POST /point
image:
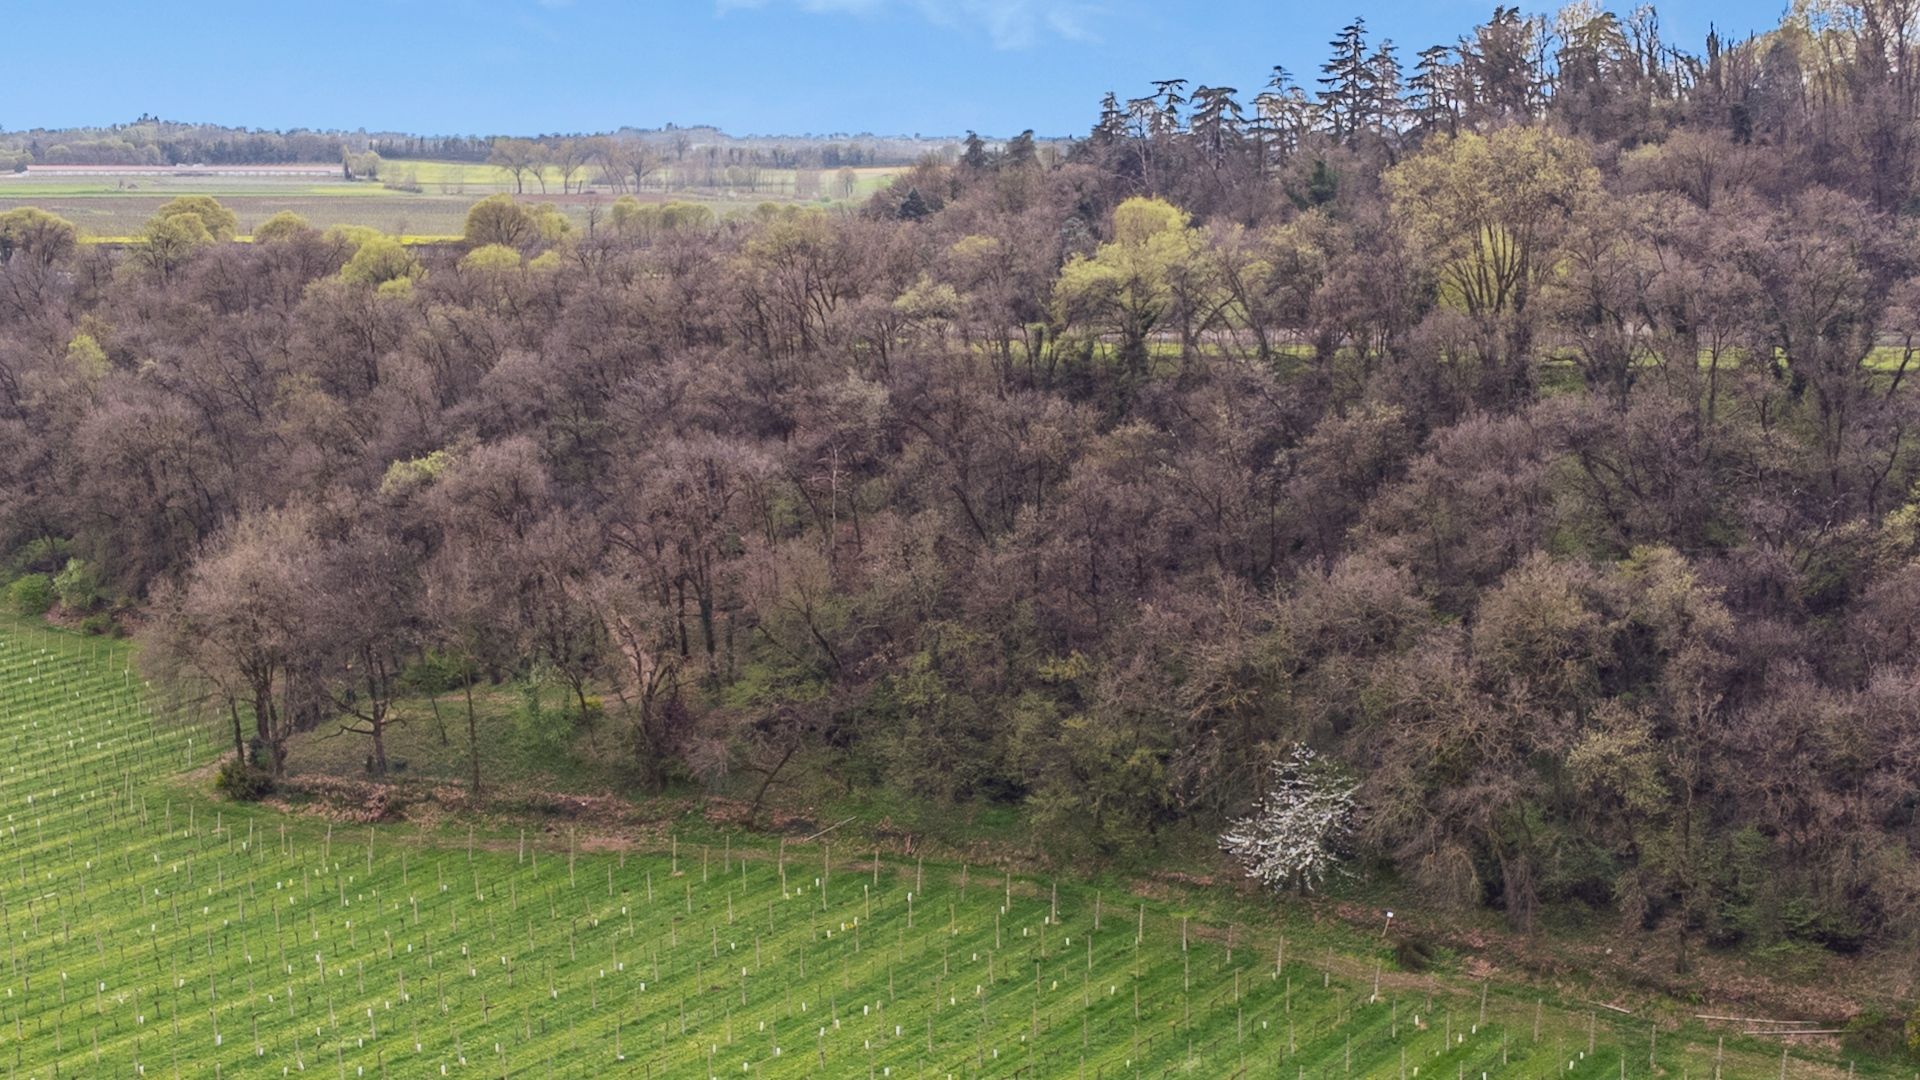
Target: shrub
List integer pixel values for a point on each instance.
(543, 734)
(99, 624)
(44, 554)
(242, 782)
(436, 672)
(1875, 1034)
(1413, 953)
(31, 594)
(1838, 930)
(78, 587)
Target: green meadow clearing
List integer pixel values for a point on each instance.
(154, 931)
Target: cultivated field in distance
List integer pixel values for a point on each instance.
(422, 198)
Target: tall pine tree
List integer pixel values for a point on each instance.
(1435, 87)
(1346, 82)
(1383, 90)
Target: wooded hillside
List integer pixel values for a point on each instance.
(1528, 435)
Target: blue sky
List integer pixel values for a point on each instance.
(748, 66)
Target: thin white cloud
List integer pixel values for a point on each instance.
(816, 7)
(1009, 24)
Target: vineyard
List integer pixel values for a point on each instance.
(152, 931)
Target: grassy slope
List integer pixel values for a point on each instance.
(149, 925)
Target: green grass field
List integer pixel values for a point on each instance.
(152, 931)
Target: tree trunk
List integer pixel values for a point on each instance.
(439, 722)
(377, 725)
(239, 743)
(269, 726)
(643, 741)
(473, 737)
(759, 796)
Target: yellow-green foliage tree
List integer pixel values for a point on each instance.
(494, 275)
(795, 268)
(380, 261)
(1487, 217)
(350, 238)
(631, 217)
(36, 235)
(218, 221)
(1127, 287)
(181, 227)
(86, 358)
(167, 242)
(283, 226)
(409, 474)
(365, 165)
(491, 259)
(1487, 213)
(499, 219)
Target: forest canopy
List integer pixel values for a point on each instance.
(1524, 429)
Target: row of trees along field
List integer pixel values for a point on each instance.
(675, 162)
(1530, 439)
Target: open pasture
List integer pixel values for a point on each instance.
(153, 932)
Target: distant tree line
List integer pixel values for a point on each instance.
(1530, 438)
(151, 142)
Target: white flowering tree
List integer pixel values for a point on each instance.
(1297, 832)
